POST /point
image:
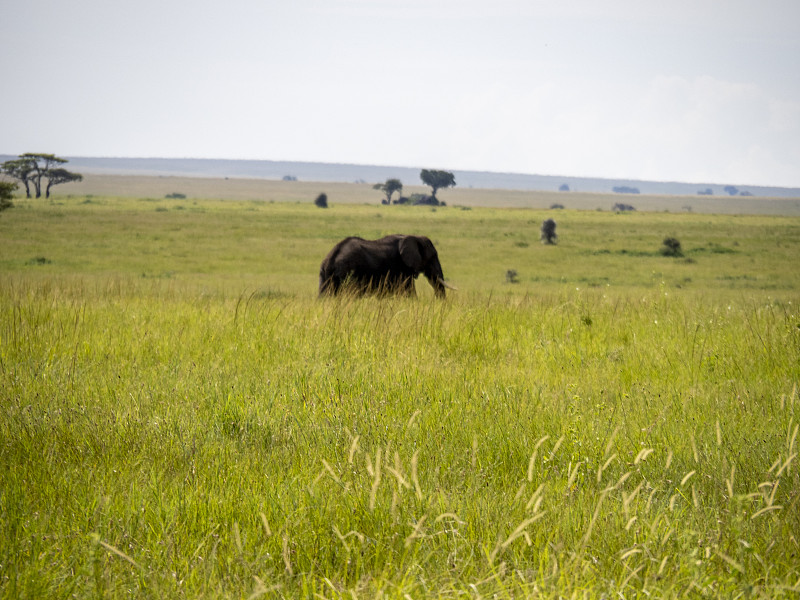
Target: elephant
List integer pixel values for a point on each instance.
(385, 266)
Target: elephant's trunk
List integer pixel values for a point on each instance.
(436, 278)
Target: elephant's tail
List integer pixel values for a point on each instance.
(329, 280)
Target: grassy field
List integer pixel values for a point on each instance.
(183, 418)
(138, 186)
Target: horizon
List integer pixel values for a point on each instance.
(316, 171)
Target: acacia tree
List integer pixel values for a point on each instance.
(31, 168)
(437, 179)
(22, 169)
(390, 187)
(56, 176)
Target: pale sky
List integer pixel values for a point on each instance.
(679, 90)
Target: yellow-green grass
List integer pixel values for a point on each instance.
(182, 417)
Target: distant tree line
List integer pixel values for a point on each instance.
(731, 190)
(39, 171)
(624, 189)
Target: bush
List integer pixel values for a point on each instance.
(671, 247)
(176, 196)
(322, 201)
(549, 231)
(6, 193)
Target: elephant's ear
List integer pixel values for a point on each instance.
(410, 253)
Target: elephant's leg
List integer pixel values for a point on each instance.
(383, 285)
(403, 285)
(410, 287)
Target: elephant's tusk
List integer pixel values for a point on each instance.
(445, 284)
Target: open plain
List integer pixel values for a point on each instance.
(183, 418)
(158, 186)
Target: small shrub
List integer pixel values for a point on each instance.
(321, 201)
(671, 247)
(512, 276)
(6, 194)
(175, 196)
(557, 206)
(549, 231)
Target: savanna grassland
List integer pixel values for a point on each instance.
(183, 418)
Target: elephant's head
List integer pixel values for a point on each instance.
(419, 254)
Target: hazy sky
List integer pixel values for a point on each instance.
(686, 90)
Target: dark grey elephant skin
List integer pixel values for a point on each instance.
(385, 266)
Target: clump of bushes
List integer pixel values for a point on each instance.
(424, 200)
(176, 196)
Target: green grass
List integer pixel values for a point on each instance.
(181, 417)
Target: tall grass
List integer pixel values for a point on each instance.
(200, 435)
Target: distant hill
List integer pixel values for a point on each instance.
(334, 172)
